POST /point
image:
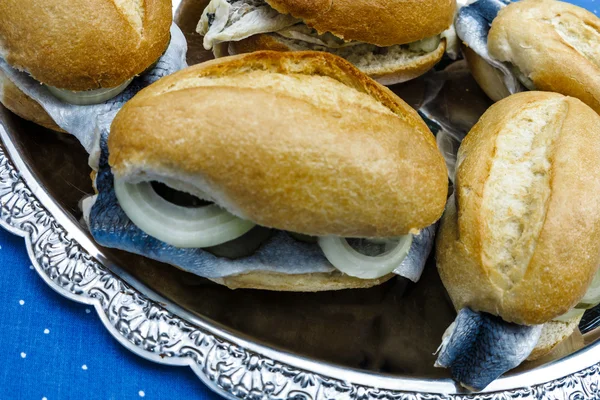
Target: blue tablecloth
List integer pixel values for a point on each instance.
(55, 349)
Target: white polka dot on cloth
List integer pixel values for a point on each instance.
(31, 267)
(46, 331)
(21, 302)
(43, 398)
(84, 367)
(87, 311)
(23, 355)
(141, 393)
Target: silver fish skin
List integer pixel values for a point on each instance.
(472, 27)
(82, 121)
(110, 227)
(479, 347)
(413, 265)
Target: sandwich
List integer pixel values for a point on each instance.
(391, 41)
(543, 45)
(288, 171)
(518, 247)
(83, 51)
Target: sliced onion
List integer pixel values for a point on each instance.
(568, 317)
(426, 45)
(343, 257)
(178, 226)
(592, 297)
(88, 97)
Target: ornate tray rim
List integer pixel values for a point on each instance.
(232, 366)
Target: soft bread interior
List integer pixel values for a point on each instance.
(134, 11)
(368, 57)
(553, 333)
(581, 36)
(517, 190)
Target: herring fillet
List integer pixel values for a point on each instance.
(479, 347)
(225, 21)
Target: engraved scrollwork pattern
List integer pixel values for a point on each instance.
(229, 369)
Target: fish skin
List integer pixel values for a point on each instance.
(479, 347)
(82, 121)
(413, 265)
(473, 24)
(110, 227)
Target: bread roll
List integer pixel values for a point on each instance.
(520, 237)
(298, 141)
(555, 44)
(83, 44)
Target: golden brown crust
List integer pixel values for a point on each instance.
(299, 283)
(84, 44)
(398, 73)
(555, 43)
(566, 252)
(296, 155)
(24, 106)
(379, 22)
(488, 78)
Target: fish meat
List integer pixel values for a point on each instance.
(479, 347)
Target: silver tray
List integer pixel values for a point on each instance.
(361, 345)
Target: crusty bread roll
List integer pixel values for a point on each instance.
(83, 44)
(555, 44)
(379, 22)
(520, 237)
(395, 65)
(298, 141)
(24, 106)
